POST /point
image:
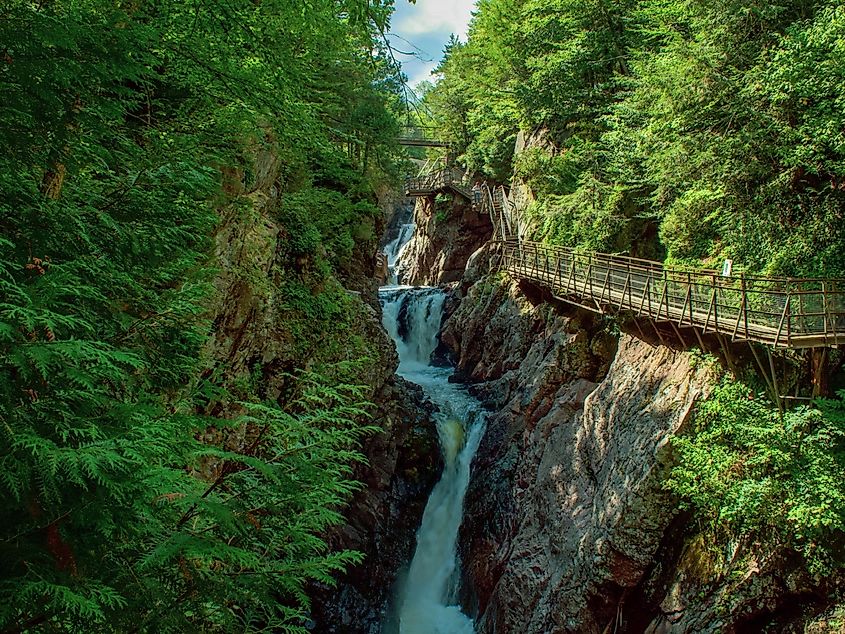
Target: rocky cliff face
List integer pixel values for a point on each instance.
(257, 343)
(576, 451)
(403, 464)
(448, 231)
(567, 527)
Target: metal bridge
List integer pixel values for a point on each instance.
(420, 136)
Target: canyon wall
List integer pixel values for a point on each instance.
(448, 231)
(567, 525)
(262, 341)
(568, 528)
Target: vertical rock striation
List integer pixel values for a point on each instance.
(567, 527)
(565, 511)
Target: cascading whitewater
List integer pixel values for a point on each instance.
(412, 318)
(427, 602)
(393, 250)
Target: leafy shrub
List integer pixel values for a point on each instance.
(749, 470)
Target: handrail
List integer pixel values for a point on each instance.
(440, 180)
(781, 312)
(420, 135)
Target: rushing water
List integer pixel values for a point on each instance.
(427, 602)
(394, 248)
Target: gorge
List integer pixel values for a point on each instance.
(553, 343)
(567, 524)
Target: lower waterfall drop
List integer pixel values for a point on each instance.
(428, 601)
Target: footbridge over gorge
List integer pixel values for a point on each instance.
(779, 312)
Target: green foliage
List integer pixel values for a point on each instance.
(746, 469)
(327, 218)
(128, 129)
(708, 129)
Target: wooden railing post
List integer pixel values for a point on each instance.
(559, 273)
(775, 325)
(789, 318)
(824, 310)
(691, 298)
(783, 317)
(742, 309)
(716, 302)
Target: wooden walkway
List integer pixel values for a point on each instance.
(441, 181)
(419, 136)
(780, 312)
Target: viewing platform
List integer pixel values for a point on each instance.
(779, 312)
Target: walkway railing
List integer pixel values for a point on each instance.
(442, 180)
(781, 312)
(421, 136)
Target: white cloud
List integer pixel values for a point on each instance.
(437, 16)
(422, 73)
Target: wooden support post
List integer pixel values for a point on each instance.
(700, 340)
(642, 334)
(657, 330)
(772, 389)
(678, 334)
(775, 380)
(723, 343)
(818, 365)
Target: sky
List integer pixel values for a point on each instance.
(425, 28)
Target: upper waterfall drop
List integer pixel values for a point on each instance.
(402, 227)
(393, 251)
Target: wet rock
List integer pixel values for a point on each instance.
(404, 463)
(567, 526)
(565, 509)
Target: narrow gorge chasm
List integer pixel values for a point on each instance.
(306, 328)
(555, 429)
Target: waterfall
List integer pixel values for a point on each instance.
(412, 318)
(393, 249)
(427, 602)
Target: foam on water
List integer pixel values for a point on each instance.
(428, 603)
